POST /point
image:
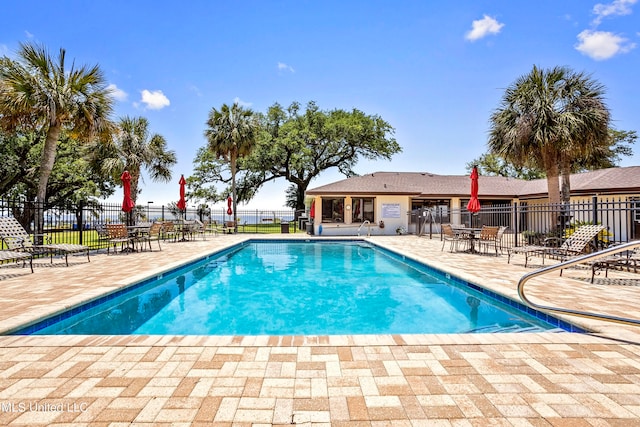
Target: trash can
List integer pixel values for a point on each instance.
(302, 220)
(310, 228)
(284, 227)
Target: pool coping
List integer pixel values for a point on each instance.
(28, 328)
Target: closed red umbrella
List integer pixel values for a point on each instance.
(312, 212)
(182, 204)
(229, 201)
(127, 203)
(474, 204)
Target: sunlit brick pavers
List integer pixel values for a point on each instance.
(553, 379)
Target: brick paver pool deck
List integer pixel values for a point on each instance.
(541, 379)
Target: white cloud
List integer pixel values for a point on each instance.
(483, 27)
(284, 67)
(601, 45)
(241, 103)
(28, 34)
(616, 8)
(117, 93)
(154, 100)
(195, 89)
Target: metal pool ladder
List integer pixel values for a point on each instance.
(366, 222)
(621, 248)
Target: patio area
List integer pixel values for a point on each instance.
(542, 379)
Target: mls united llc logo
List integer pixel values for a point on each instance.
(37, 406)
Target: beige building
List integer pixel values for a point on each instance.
(382, 202)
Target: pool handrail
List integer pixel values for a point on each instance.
(575, 261)
(366, 222)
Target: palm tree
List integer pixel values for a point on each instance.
(134, 148)
(40, 92)
(549, 119)
(231, 134)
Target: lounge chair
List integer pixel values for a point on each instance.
(16, 256)
(575, 245)
(623, 261)
(16, 238)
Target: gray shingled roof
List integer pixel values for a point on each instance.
(423, 184)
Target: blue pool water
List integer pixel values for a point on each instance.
(297, 288)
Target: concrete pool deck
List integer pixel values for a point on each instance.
(542, 379)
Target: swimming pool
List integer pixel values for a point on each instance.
(299, 288)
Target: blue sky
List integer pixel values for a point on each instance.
(434, 70)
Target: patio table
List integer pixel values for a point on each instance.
(136, 232)
(184, 228)
(470, 234)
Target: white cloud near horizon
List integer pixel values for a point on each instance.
(284, 67)
(601, 45)
(117, 93)
(483, 27)
(616, 8)
(154, 100)
(241, 103)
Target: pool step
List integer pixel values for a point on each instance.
(497, 329)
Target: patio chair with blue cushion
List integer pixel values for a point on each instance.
(16, 238)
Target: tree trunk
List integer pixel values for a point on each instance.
(135, 179)
(553, 188)
(565, 172)
(233, 190)
(46, 166)
(300, 198)
(134, 171)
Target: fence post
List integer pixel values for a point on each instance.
(516, 224)
(80, 222)
(594, 209)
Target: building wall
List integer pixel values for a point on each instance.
(390, 214)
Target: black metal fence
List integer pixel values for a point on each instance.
(77, 224)
(526, 222)
(533, 222)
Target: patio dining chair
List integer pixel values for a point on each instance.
(489, 237)
(198, 227)
(154, 233)
(449, 234)
(16, 238)
(118, 234)
(169, 230)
